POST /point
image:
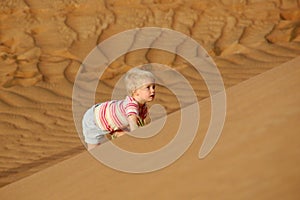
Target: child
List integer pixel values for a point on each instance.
(116, 116)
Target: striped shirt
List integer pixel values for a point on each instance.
(112, 115)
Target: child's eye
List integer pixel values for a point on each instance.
(151, 86)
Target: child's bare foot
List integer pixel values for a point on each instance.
(91, 146)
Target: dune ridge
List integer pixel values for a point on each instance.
(42, 45)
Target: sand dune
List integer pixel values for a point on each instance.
(257, 156)
(43, 43)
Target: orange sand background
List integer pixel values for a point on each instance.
(44, 42)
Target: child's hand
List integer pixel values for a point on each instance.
(117, 134)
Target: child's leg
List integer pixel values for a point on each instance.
(93, 135)
(100, 139)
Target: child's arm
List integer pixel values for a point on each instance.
(133, 124)
(132, 120)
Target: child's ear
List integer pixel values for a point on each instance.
(135, 93)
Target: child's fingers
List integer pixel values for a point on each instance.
(116, 135)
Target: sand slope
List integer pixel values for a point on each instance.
(42, 44)
(257, 156)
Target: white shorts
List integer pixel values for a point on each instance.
(91, 132)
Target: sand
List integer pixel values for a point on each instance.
(43, 44)
(257, 156)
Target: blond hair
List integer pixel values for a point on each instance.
(135, 78)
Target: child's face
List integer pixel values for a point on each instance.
(146, 93)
